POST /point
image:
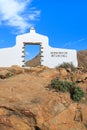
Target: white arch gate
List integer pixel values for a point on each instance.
(50, 56)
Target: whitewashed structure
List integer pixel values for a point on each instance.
(49, 56)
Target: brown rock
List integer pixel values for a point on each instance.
(16, 69)
(63, 72)
(79, 77)
(65, 120)
(69, 70)
(50, 73)
(5, 74)
(10, 120)
(35, 70)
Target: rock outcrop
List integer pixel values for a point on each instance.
(82, 58)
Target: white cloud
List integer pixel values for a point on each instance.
(17, 13)
(69, 44)
(27, 53)
(32, 16)
(81, 40)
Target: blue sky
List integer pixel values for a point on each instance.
(63, 21)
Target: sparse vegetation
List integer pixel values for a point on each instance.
(8, 75)
(77, 94)
(60, 85)
(67, 65)
(65, 86)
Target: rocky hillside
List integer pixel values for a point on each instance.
(82, 59)
(33, 62)
(26, 103)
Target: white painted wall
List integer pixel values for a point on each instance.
(10, 56)
(50, 57)
(54, 57)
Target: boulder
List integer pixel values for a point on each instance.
(5, 74)
(11, 119)
(63, 72)
(79, 77)
(16, 69)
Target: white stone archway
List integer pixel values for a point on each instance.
(50, 56)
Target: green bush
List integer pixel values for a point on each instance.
(65, 86)
(60, 85)
(8, 75)
(67, 65)
(78, 94)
